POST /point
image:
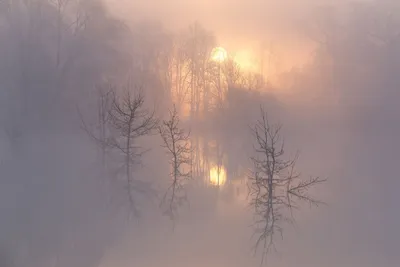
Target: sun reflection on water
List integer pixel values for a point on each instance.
(217, 175)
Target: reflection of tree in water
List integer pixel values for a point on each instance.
(216, 167)
(222, 144)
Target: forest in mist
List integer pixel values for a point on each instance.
(199, 133)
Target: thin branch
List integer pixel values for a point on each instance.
(273, 185)
(176, 143)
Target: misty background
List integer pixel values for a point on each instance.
(326, 70)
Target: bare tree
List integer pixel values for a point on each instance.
(275, 187)
(130, 120)
(122, 120)
(232, 72)
(177, 145)
(181, 73)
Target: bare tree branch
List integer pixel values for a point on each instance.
(176, 143)
(129, 120)
(122, 120)
(274, 185)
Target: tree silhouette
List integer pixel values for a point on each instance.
(275, 187)
(122, 120)
(177, 145)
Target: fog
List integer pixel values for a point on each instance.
(132, 133)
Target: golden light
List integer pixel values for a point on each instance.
(219, 54)
(246, 60)
(217, 175)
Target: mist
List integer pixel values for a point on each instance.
(202, 133)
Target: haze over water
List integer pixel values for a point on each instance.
(74, 192)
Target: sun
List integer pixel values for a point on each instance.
(217, 175)
(219, 54)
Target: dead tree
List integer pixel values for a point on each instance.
(122, 120)
(177, 145)
(130, 120)
(275, 188)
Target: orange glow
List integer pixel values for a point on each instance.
(218, 175)
(246, 60)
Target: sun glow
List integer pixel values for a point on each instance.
(218, 175)
(219, 54)
(246, 60)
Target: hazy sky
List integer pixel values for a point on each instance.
(240, 26)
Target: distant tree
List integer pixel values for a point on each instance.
(181, 74)
(71, 34)
(105, 94)
(356, 58)
(192, 86)
(275, 187)
(151, 48)
(232, 72)
(37, 102)
(199, 44)
(176, 142)
(217, 89)
(100, 131)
